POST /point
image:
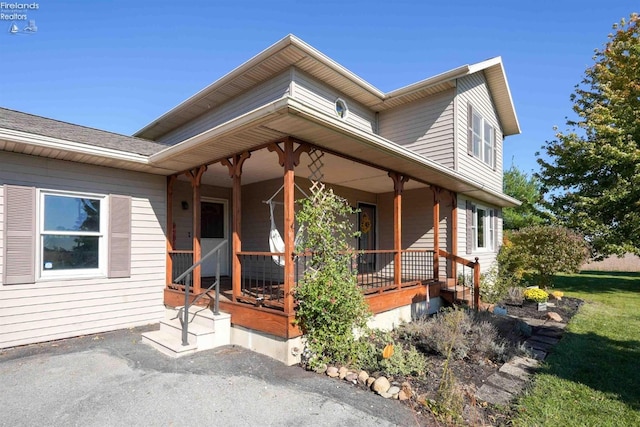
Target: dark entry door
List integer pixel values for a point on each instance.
(367, 239)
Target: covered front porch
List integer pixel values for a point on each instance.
(405, 255)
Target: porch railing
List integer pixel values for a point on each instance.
(466, 278)
(180, 262)
(262, 279)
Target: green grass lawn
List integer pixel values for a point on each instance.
(592, 377)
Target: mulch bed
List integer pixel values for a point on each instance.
(471, 374)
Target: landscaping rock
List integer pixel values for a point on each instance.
(406, 389)
(554, 316)
(352, 377)
(403, 396)
(370, 381)
(342, 372)
(332, 371)
(321, 369)
(363, 376)
(393, 390)
(381, 385)
(386, 395)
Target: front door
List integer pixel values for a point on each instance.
(367, 239)
(214, 225)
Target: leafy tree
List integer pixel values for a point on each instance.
(528, 190)
(545, 250)
(330, 304)
(593, 171)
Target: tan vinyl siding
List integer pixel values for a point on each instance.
(425, 127)
(183, 219)
(323, 98)
(472, 90)
(485, 257)
(59, 308)
(260, 95)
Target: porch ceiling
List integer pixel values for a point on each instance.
(290, 117)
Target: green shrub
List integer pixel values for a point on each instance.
(493, 287)
(456, 332)
(403, 361)
(545, 250)
(330, 304)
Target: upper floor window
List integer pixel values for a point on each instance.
(481, 142)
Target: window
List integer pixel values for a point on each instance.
(55, 234)
(481, 227)
(341, 108)
(72, 233)
(481, 138)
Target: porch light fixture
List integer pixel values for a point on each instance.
(185, 205)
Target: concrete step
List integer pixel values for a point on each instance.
(167, 344)
(206, 331)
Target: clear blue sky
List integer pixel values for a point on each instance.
(118, 65)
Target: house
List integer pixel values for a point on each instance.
(95, 227)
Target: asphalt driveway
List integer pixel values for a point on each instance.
(113, 379)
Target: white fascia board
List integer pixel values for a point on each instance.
(70, 146)
(456, 73)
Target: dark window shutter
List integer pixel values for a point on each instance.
(119, 236)
(495, 149)
(19, 235)
(496, 215)
(469, 218)
(470, 130)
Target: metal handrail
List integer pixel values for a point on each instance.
(216, 284)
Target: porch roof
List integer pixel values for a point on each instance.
(291, 117)
(291, 51)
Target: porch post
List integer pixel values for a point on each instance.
(398, 186)
(195, 176)
(454, 231)
(436, 232)
(235, 171)
(170, 181)
(289, 159)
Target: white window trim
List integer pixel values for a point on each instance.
(103, 247)
(481, 134)
(488, 229)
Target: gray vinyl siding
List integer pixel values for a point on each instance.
(425, 127)
(485, 257)
(255, 214)
(59, 308)
(262, 94)
(472, 90)
(323, 98)
(417, 221)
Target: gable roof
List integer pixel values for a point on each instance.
(32, 124)
(291, 51)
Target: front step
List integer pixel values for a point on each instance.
(206, 331)
(457, 294)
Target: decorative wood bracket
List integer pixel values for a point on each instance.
(235, 163)
(398, 181)
(195, 175)
(302, 148)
